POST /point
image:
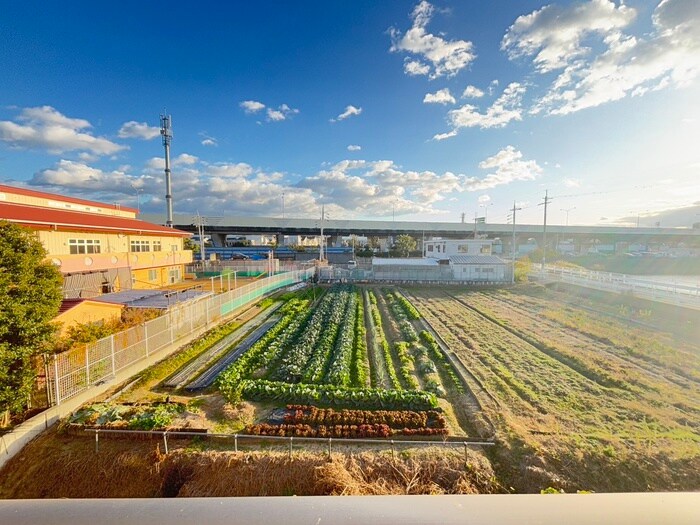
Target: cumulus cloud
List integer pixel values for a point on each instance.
(252, 106)
(80, 176)
(620, 64)
(442, 96)
(283, 112)
(349, 111)
(435, 56)
(505, 167)
(46, 128)
(138, 130)
(277, 114)
(354, 147)
(472, 92)
(158, 163)
(506, 108)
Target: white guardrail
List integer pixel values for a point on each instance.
(670, 292)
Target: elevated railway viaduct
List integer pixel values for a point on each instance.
(219, 227)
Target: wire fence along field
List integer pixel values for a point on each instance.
(70, 373)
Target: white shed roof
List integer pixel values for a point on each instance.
(475, 259)
(409, 261)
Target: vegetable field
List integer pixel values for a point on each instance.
(351, 348)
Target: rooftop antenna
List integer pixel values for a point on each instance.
(167, 134)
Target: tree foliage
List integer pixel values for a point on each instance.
(30, 295)
(404, 244)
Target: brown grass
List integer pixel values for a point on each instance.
(58, 465)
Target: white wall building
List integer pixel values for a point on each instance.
(480, 268)
(444, 248)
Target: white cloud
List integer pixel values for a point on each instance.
(278, 114)
(415, 68)
(444, 136)
(442, 96)
(45, 128)
(571, 183)
(354, 147)
(158, 163)
(506, 166)
(252, 106)
(506, 108)
(554, 34)
(483, 199)
(80, 176)
(472, 92)
(620, 64)
(438, 57)
(207, 140)
(138, 130)
(347, 113)
(281, 113)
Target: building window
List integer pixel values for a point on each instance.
(487, 270)
(430, 247)
(77, 246)
(140, 246)
(173, 247)
(485, 248)
(463, 248)
(156, 246)
(152, 275)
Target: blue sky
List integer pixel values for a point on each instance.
(414, 109)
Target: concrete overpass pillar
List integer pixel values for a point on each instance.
(280, 239)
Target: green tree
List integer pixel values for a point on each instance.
(30, 295)
(404, 245)
(191, 245)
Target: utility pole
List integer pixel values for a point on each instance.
(547, 200)
(512, 247)
(323, 217)
(167, 134)
(463, 216)
(475, 219)
(567, 210)
(283, 205)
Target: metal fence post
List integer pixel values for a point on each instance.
(165, 441)
(55, 380)
(235, 442)
(111, 344)
(87, 365)
(145, 336)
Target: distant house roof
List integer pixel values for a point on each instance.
(476, 259)
(57, 197)
(67, 304)
(48, 218)
(411, 261)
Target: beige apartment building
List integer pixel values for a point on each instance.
(98, 247)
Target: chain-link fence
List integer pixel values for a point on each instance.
(73, 372)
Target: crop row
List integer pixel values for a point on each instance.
(407, 330)
(338, 431)
(359, 368)
(340, 361)
(311, 415)
(318, 337)
(439, 357)
(406, 306)
(407, 367)
(331, 395)
(266, 349)
(382, 342)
